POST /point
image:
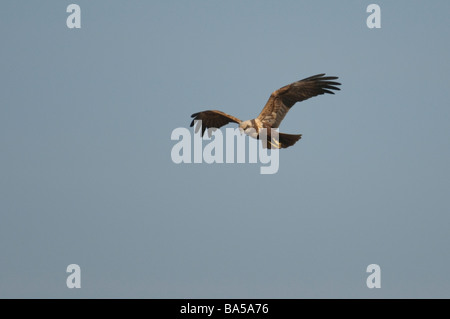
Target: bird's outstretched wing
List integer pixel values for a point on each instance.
(283, 99)
(212, 119)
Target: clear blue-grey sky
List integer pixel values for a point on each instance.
(86, 175)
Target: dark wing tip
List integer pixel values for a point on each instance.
(195, 116)
(331, 87)
(333, 83)
(313, 77)
(329, 78)
(320, 77)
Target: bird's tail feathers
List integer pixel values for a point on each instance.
(284, 140)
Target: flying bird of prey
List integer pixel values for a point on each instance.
(276, 108)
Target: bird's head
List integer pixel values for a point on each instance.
(244, 126)
(247, 128)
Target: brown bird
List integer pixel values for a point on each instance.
(276, 108)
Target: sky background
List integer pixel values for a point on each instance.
(86, 175)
